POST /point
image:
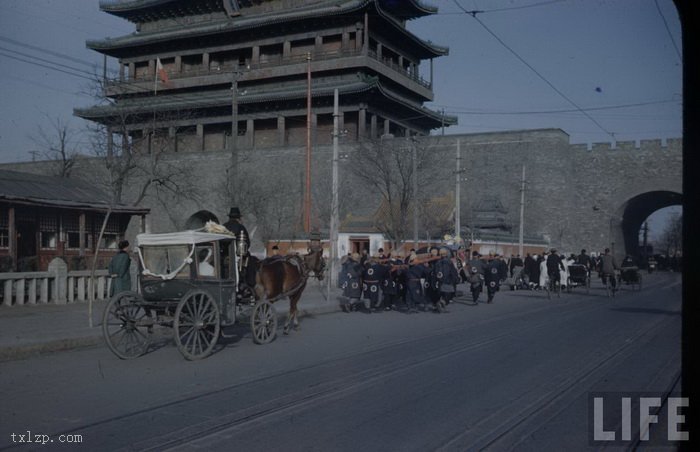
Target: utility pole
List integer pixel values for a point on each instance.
(234, 135)
(335, 220)
(522, 214)
(458, 177)
(414, 162)
(307, 191)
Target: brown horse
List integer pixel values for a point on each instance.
(286, 276)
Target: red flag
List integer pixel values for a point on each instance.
(161, 72)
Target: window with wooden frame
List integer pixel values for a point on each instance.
(4, 229)
(71, 224)
(110, 237)
(48, 231)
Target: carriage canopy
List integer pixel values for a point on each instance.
(180, 238)
(168, 255)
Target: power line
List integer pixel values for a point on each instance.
(668, 30)
(50, 52)
(456, 109)
(542, 77)
(45, 66)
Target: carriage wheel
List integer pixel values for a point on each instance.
(263, 322)
(126, 325)
(197, 324)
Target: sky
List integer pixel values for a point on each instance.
(600, 70)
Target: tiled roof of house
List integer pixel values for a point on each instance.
(61, 192)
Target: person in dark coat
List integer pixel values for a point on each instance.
(247, 274)
(390, 289)
(515, 261)
(492, 278)
(352, 285)
(414, 289)
(372, 278)
(529, 269)
(477, 263)
(119, 269)
(447, 277)
(554, 267)
(585, 259)
(502, 266)
(431, 283)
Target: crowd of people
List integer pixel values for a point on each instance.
(416, 282)
(550, 267)
(428, 281)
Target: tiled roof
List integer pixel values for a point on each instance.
(26, 188)
(113, 46)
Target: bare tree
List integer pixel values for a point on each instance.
(274, 200)
(138, 166)
(671, 239)
(58, 143)
(387, 167)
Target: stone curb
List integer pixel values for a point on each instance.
(13, 353)
(18, 352)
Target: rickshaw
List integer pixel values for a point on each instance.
(631, 276)
(188, 281)
(578, 276)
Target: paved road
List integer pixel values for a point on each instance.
(512, 375)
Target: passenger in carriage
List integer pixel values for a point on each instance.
(205, 268)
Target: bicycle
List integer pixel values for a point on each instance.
(553, 285)
(610, 287)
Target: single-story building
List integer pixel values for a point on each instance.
(43, 217)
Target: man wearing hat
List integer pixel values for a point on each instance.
(242, 246)
(234, 225)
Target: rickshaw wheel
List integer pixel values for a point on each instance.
(588, 285)
(639, 281)
(127, 325)
(197, 324)
(263, 322)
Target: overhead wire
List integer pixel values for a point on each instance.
(137, 86)
(473, 14)
(668, 30)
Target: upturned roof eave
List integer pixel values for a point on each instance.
(224, 99)
(127, 8)
(111, 46)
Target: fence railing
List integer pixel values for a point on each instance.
(55, 286)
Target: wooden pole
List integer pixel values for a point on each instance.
(307, 191)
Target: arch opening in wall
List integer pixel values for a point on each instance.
(636, 212)
(199, 219)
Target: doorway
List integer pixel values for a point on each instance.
(357, 244)
(26, 246)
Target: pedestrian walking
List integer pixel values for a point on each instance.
(119, 268)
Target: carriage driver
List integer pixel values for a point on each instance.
(234, 225)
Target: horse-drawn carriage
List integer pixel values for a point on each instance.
(190, 281)
(631, 276)
(579, 276)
